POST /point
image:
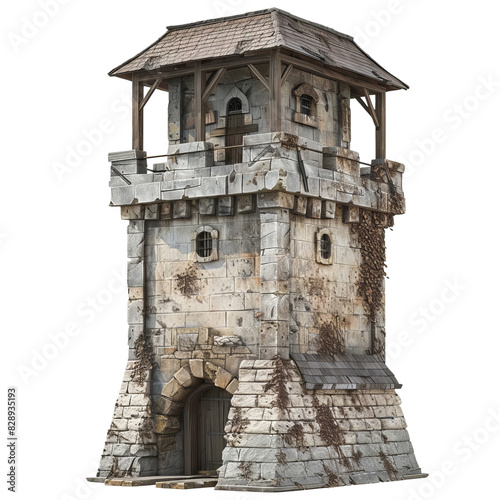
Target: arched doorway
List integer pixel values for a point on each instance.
(205, 416)
(235, 123)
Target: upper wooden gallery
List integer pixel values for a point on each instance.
(274, 70)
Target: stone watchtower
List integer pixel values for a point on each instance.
(256, 263)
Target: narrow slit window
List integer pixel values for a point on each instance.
(306, 103)
(326, 247)
(204, 244)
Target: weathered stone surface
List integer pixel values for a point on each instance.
(222, 378)
(167, 425)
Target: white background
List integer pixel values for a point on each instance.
(61, 246)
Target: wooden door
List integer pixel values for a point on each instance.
(213, 410)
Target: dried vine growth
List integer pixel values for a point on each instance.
(246, 469)
(356, 456)
(144, 354)
(277, 384)
(393, 473)
(186, 282)
(371, 235)
(295, 434)
(238, 423)
(330, 432)
(395, 199)
(147, 429)
(332, 337)
(333, 479)
(281, 457)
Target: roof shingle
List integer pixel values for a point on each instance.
(252, 32)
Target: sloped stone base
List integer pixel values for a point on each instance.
(281, 436)
(131, 448)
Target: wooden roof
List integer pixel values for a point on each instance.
(258, 31)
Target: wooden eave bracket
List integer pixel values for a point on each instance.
(212, 83)
(285, 74)
(260, 76)
(369, 108)
(149, 94)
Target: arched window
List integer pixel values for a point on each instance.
(325, 246)
(204, 244)
(306, 109)
(234, 106)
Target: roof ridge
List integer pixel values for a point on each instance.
(271, 10)
(278, 36)
(215, 20)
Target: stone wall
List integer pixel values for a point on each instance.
(192, 303)
(324, 127)
(282, 437)
(324, 294)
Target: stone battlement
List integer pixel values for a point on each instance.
(272, 162)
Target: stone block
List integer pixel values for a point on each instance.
(245, 204)
(244, 401)
(184, 377)
(147, 192)
(210, 186)
(174, 391)
(133, 212)
(196, 367)
(314, 208)
(222, 378)
(225, 206)
(207, 206)
(181, 209)
(124, 195)
(187, 341)
(152, 212)
(166, 425)
(328, 209)
(300, 205)
(350, 215)
(166, 211)
(135, 312)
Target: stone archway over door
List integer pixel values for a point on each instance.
(205, 416)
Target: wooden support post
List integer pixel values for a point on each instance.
(199, 105)
(275, 90)
(380, 135)
(137, 114)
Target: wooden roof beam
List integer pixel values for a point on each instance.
(317, 68)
